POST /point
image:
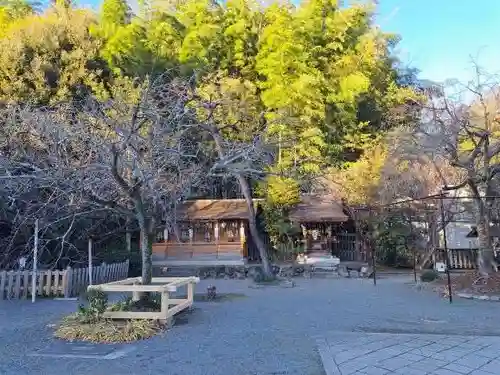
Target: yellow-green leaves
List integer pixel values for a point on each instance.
(282, 191)
(359, 181)
(49, 58)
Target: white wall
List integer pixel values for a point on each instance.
(456, 233)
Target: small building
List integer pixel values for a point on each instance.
(216, 232)
(209, 232)
(326, 228)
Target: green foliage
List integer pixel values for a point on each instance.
(359, 181)
(97, 303)
(317, 83)
(282, 193)
(429, 275)
(124, 305)
(51, 58)
(393, 240)
(322, 75)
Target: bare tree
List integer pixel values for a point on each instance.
(133, 157)
(130, 157)
(235, 123)
(462, 123)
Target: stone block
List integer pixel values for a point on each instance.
(459, 369)
(374, 370)
(395, 363)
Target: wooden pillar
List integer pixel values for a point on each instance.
(242, 238)
(165, 240)
(216, 237)
(165, 302)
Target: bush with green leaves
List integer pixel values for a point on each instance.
(429, 275)
(394, 238)
(97, 303)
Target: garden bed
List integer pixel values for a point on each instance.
(73, 328)
(161, 286)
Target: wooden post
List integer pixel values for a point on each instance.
(26, 276)
(17, 288)
(3, 281)
(90, 261)
(190, 292)
(48, 287)
(216, 238)
(68, 280)
(164, 305)
(35, 261)
(242, 238)
(10, 284)
(136, 296)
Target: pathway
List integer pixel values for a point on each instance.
(409, 354)
(271, 332)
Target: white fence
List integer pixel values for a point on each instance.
(58, 283)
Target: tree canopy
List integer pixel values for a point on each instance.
(315, 86)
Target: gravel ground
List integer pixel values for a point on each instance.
(270, 332)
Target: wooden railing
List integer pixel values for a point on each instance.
(464, 259)
(58, 283)
(192, 249)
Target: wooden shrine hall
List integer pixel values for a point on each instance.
(215, 232)
(208, 232)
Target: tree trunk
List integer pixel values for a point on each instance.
(146, 251)
(247, 193)
(252, 224)
(433, 242)
(485, 258)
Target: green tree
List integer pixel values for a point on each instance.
(51, 57)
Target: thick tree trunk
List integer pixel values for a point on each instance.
(252, 224)
(146, 251)
(247, 193)
(485, 258)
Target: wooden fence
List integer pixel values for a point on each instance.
(461, 259)
(58, 283)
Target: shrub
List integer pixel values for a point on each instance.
(429, 275)
(97, 303)
(150, 302)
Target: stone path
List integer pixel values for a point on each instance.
(344, 353)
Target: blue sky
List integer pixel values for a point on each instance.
(440, 37)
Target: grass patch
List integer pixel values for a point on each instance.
(72, 328)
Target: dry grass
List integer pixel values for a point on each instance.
(72, 328)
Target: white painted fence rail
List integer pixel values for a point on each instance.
(58, 283)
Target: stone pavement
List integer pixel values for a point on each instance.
(272, 331)
(352, 353)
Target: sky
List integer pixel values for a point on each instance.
(439, 37)
(443, 37)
